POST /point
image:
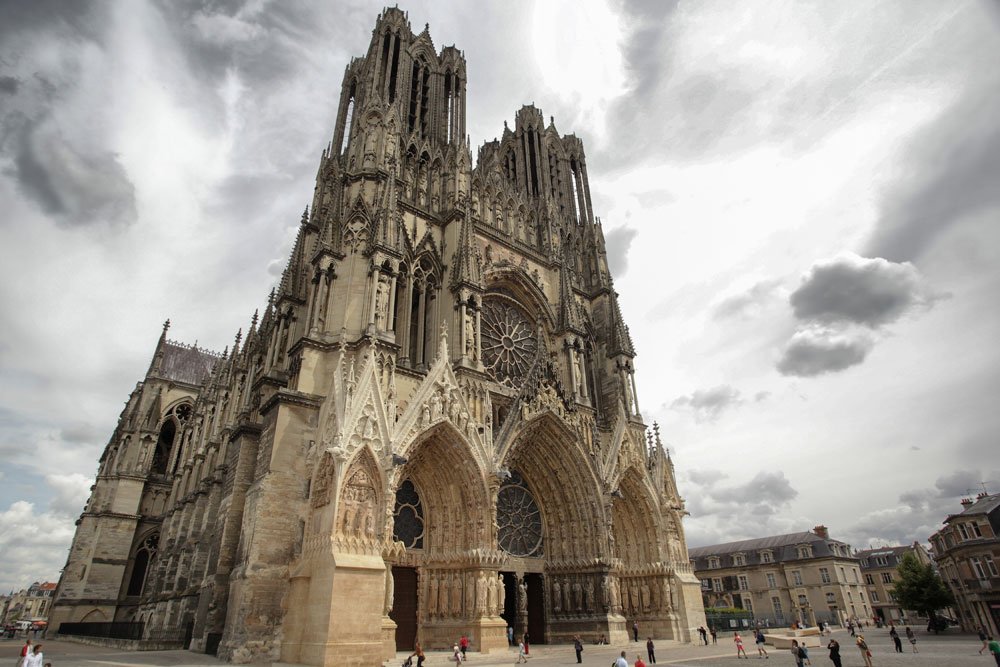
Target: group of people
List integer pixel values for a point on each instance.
(703, 633)
(31, 656)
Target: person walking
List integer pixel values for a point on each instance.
(34, 659)
(913, 639)
(649, 650)
(739, 646)
(866, 654)
(25, 652)
(621, 661)
(635, 631)
(797, 653)
(982, 638)
(834, 648)
(578, 647)
(464, 645)
(850, 628)
(994, 647)
(895, 639)
(521, 653)
(527, 645)
(761, 651)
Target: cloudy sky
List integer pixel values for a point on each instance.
(800, 199)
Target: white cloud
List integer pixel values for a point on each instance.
(33, 545)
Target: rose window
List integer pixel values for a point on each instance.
(519, 522)
(508, 340)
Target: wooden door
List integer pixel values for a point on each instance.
(404, 607)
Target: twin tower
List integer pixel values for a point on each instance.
(433, 429)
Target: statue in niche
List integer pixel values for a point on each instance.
(470, 594)
(486, 594)
(425, 415)
(422, 185)
(626, 602)
(389, 591)
(456, 595)
(628, 394)
(435, 406)
(633, 594)
(432, 595)
(655, 594)
(668, 595)
(522, 596)
(567, 603)
(577, 596)
(616, 599)
(581, 377)
(443, 596)
(588, 595)
(470, 336)
(368, 161)
(382, 302)
(501, 592)
(644, 596)
(436, 187)
(556, 597)
(605, 593)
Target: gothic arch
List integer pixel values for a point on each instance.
(547, 454)
(512, 280)
(453, 491)
(359, 499)
(633, 522)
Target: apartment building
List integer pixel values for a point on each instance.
(802, 577)
(967, 550)
(878, 569)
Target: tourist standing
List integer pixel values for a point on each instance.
(739, 646)
(797, 653)
(621, 661)
(913, 640)
(464, 645)
(34, 659)
(578, 647)
(895, 639)
(866, 654)
(510, 636)
(527, 645)
(649, 650)
(711, 629)
(635, 631)
(834, 648)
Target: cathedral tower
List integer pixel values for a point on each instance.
(432, 430)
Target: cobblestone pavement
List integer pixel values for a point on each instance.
(947, 650)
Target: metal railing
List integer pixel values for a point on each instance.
(105, 630)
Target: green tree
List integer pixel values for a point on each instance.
(921, 589)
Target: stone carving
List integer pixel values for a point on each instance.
(486, 592)
(456, 595)
(588, 594)
(567, 603)
(501, 594)
(319, 493)
(382, 302)
(443, 596)
(605, 593)
(577, 596)
(522, 597)
(644, 596)
(432, 595)
(556, 597)
(389, 591)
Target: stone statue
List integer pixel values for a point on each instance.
(443, 597)
(644, 596)
(432, 595)
(456, 596)
(501, 594)
(382, 303)
(588, 594)
(605, 593)
(522, 596)
(470, 336)
(556, 597)
(389, 591)
(577, 596)
(470, 595)
(567, 604)
(490, 591)
(435, 406)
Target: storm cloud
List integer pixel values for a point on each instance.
(814, 352)
(709, 404)
(617, 242)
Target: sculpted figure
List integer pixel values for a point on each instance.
(432, 595)
(644, 596)
(443, 597)
(616, 599)
(470, 594)
(456, 595)
(567, 604)
(389, 591)
(435, 406)
(522, 596)
(501, 594)
(556, 597)
(577, 596)
(490, 585)
(470, 336)
(605, 593)
(588, 592)
(655, 594)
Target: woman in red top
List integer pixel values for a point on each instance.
(639, 662)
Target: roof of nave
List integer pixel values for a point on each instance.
(186, 363)
(773, 542)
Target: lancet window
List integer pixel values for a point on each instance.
(408, 517)
(140, 566)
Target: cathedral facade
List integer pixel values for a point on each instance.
(432, 430)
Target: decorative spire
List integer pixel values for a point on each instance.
(570, 318)
(468, 267)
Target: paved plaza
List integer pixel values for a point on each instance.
(947, 650)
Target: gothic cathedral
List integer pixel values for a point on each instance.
(432, 430)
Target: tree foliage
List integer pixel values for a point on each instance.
(920, 588)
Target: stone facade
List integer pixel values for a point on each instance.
(800, 577)
(878, 569)
(967, 553)
(432, 430)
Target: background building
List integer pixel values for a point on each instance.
(878, 569)
(804, 577)
(432, 430)
(967, 551)
(30, 604)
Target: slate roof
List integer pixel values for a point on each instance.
(983, 505)
(186, 363)
(893, 556)
(782, 546)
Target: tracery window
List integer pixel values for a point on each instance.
(143, 556)
(508, 340)
(408, 517)
(518, 519)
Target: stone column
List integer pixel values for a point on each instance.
(635, 396)
(373, 299)
(420, 325)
